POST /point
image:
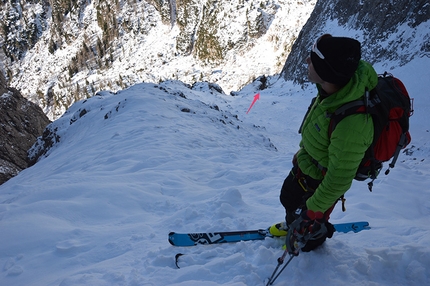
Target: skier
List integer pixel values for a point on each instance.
(324, 167)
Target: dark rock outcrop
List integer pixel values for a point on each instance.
(21, 122)
(381, 28)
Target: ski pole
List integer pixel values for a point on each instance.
(280, 262)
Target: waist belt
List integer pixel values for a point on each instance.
(305, 180)
(319, 166)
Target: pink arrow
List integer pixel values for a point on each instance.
(256, 97)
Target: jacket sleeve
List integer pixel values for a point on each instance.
(348, 144)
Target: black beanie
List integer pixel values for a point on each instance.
(341, 58)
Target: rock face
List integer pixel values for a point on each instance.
(60, 52)
(21, 122)
(388, 31)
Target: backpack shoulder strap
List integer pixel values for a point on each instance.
(363, 106)
(345, 110)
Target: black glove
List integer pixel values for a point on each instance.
(310, 225)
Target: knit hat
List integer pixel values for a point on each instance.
(340, 58)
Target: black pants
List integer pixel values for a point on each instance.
(293, 195)
(297, 188)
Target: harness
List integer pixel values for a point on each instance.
(309, 185)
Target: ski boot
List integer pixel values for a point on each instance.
(279, 229)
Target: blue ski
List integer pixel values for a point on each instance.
(351, 226)
(190, 239)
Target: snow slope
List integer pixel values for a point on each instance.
(158, 158)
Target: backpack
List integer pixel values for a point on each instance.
(390, 106)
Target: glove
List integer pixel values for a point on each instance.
(310, 225)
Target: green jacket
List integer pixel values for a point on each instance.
(342, 153)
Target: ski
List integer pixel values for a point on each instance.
(191, 239)
(351, 226)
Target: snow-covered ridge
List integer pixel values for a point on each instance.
(174, 95)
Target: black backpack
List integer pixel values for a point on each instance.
(390, 106)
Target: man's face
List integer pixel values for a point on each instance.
(312, 74)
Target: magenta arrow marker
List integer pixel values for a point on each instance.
(256, 97)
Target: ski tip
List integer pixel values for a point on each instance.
(171, 238)
(363, 224)
(352, 226)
